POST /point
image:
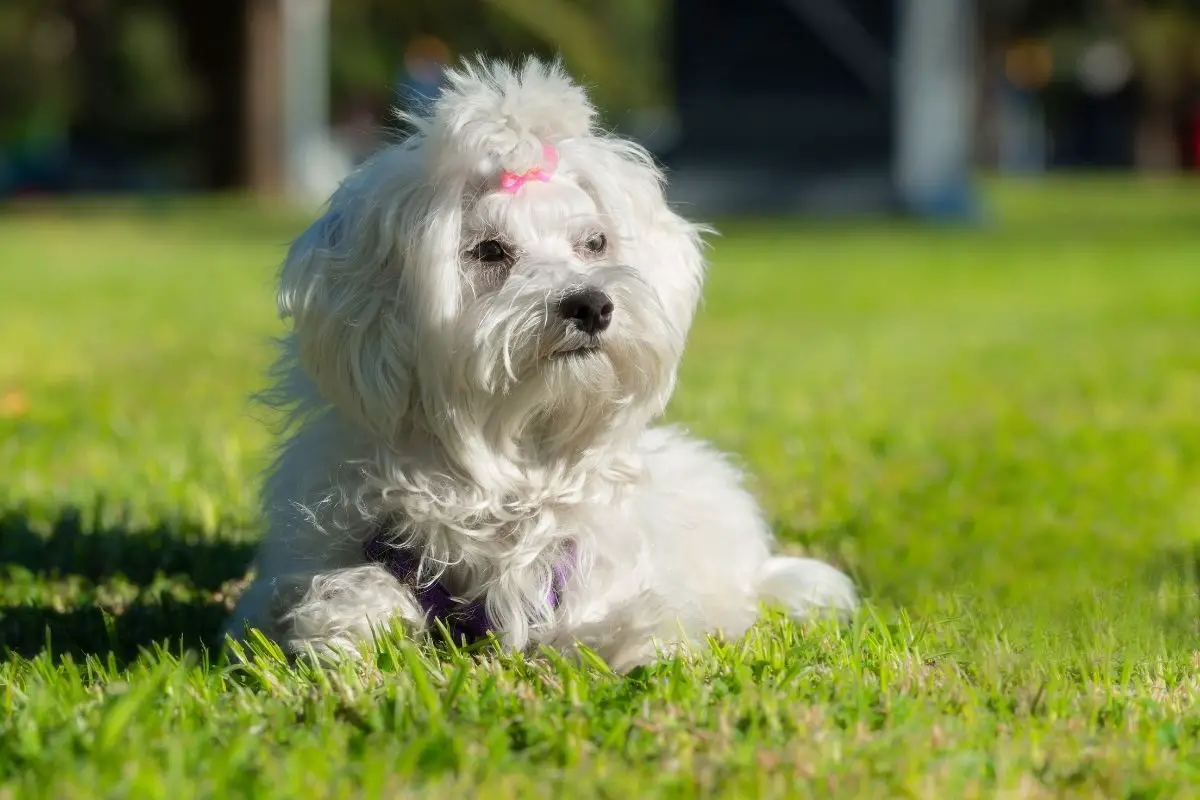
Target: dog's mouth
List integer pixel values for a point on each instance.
(580, 352)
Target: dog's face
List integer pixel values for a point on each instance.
(507, 280)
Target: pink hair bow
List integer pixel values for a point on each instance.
(512, 182)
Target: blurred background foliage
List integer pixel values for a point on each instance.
(129, 67)
(50, 58)
(615, 43)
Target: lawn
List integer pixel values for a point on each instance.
(997, 431)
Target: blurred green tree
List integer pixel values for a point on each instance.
(614, 45)
(123, 68)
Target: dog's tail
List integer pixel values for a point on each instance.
(805, 587)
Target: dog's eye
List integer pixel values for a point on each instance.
(596, 244)
(490, 251)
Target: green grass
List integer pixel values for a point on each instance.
(997, 431)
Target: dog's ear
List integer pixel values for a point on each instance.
(341, 285)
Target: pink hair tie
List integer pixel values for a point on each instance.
(512, 182)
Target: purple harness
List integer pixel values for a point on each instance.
(464, 620)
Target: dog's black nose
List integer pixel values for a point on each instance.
(590, 310)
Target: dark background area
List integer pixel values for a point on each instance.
(170, 95)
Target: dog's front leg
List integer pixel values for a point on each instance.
(336, 612)
(632, 633)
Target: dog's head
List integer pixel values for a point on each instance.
(509, 280)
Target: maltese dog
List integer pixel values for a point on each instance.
(485, 323)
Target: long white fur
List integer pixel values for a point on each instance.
(429, 395)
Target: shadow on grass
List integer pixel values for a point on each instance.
(193, 624)
(177, 572)
(97, 552)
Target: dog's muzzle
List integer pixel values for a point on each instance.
(589, 310)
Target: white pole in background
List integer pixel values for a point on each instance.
(312, 165)
(935, 104)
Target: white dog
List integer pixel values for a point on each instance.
(486, 321)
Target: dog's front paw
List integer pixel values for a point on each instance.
(807, 587)
(635, 633)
